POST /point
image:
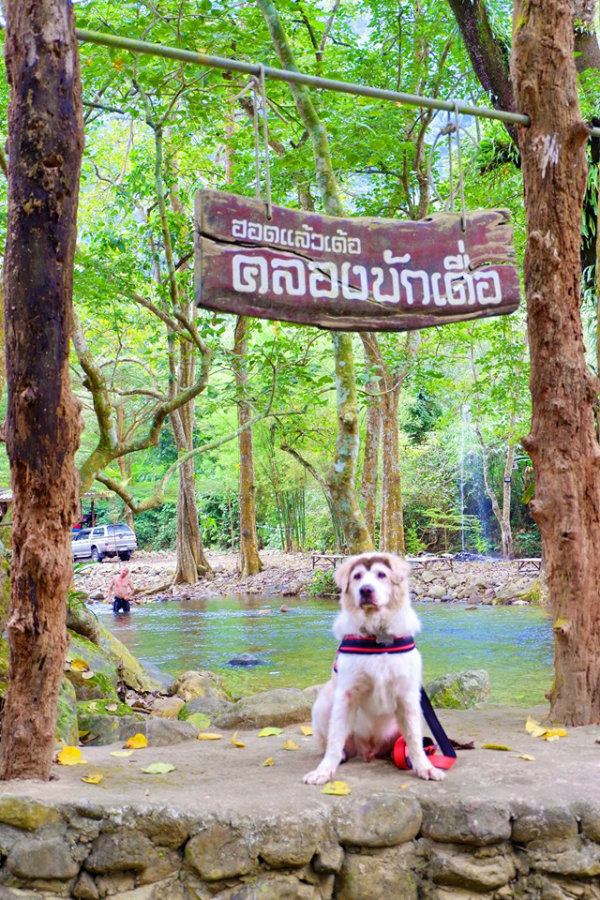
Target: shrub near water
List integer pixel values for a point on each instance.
(324, 584)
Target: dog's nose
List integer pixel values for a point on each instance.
(366, 594)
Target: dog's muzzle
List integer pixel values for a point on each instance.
(366, 596)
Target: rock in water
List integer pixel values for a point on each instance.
(245, 659)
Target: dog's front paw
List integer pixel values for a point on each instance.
(319, 775)
(430, 773)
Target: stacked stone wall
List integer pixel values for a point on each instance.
(384, 848)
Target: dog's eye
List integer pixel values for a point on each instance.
(381, 575)
(357, 576)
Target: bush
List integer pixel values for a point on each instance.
(324, 584)
(528, 543)
(156, 528)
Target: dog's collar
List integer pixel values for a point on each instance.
(353, 643)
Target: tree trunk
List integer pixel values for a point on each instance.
(342, 475)
(42, 429)
(124, 463)
(191, 561)
(562, 442)
(587, 52)
(249, 562)
(501, 514)
(370, 469)
(391, 536)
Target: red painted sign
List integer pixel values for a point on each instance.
(360, 274)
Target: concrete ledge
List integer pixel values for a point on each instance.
(224, 826)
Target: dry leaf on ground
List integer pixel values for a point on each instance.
(137, 742)
(337, 788)
(70, 756)
(93, 778)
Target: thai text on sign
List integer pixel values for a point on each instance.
(352, 274)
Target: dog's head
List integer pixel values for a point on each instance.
(373, 582)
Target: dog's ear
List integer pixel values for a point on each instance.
(399, 566)
(342, 573)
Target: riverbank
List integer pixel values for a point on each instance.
(292, 574)
(519, 822)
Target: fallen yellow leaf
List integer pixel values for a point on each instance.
(136, 742)
(268, 762)
(555, 733)
(290, 745)
(306, 730)
(495, 747)
(531, 724)
(209, 736)
(121, 753)
(526, 756)
(95, 778)
(235, 741)
(269, 732)
(539, 731)
(337, 788)
(79, 665)
(548, 734)
(159, 768)
(70, 756)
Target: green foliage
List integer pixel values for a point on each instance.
(528, 543)
(219, 517)
(156, 528)
(423, 414)
(324, 584)
(381, 154)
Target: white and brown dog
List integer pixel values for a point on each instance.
(374, 693)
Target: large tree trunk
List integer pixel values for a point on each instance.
(249, 562)
(370, 468)
(562, 442)
(45, 146)
(124, 463)
(191, 561)
(391, 537)
(501, 513)
(342, 475)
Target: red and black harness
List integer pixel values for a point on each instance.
(353, 643)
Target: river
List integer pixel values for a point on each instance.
(514, 644)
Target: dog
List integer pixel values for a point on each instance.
(372, 697)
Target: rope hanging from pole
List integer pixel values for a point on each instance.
(257, 86)
(461, 184)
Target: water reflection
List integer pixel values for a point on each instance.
(514, 644)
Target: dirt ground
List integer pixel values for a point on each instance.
(285, 574)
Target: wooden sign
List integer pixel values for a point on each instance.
(358, 274)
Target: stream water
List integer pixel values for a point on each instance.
(514, 644)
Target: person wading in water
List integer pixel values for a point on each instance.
(120, 590)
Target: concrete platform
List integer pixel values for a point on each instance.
(538, 821)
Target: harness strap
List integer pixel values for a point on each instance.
(354, 643)
(444, 761)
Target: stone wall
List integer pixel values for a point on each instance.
(392, 847)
